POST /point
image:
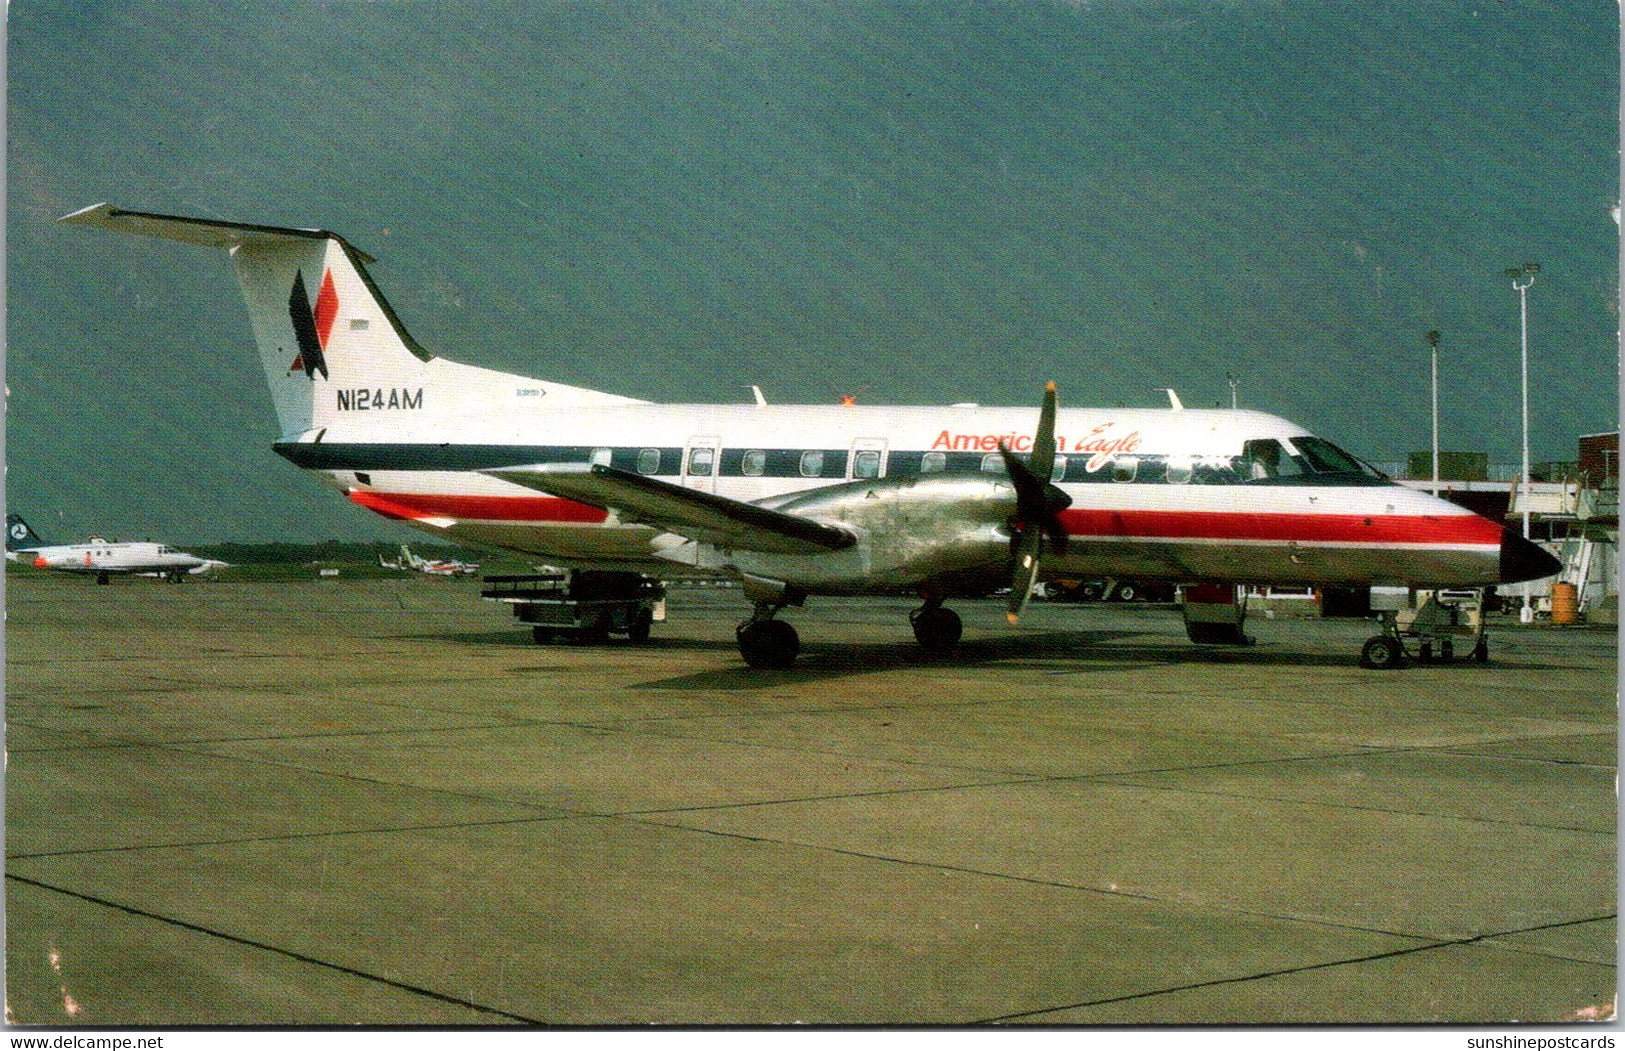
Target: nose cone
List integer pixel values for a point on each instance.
(1522, 560)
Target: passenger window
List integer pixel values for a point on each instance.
(648, 461)
(601, 457)
(1124, 468)
(1180, 469)
(812, 463)
(931, 463)
(993, 463)
(753, 463)
(701, 459)
(866, 464)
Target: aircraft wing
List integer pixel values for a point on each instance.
(688, 512)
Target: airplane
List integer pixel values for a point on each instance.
(102, 557)
(797, 501)
(448, 567)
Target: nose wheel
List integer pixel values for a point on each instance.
(767, 643)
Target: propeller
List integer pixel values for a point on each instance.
(1038, 507)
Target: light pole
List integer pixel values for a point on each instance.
(1433, 344)
(1232, 381)
(1522, 277)
(1526, 274)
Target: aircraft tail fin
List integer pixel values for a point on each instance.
(329, 341)
(20, 535)
(324, 330)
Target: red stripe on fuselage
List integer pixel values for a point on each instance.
(1157, 525)
(413, 506)
(1280, 527)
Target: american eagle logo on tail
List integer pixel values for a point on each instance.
(312, 328)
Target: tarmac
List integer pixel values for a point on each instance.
(379, 803)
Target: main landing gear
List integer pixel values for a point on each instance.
(935, 627)
(765, 642)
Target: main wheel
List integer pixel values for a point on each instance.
(1381, 652)
(768, 644)
(638, 632)
(936, 629)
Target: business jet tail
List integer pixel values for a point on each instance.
(20, 535)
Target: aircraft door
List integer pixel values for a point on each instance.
(700, 462)
(868, 458)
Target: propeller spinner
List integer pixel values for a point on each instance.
(1038, 507)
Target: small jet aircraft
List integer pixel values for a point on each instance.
(794, 501)
(445, 567)
(101, 557)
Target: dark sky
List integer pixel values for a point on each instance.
(916, 203)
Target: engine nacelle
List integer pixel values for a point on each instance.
(947, 530)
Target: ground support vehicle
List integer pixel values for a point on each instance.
(583, 606)
(1429, 626)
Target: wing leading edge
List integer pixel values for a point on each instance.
(692, 513)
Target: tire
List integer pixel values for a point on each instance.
(1447, 650)
(1126, 593)
(1481, 652)
(768, 644)
(638, 632)
(543, 635)
(936, 629)
(1092, 591)
(1381, 652)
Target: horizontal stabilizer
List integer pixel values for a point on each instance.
(210, 232)
(688, 512)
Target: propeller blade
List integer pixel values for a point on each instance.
(1026, 574)
(1039, 504)
(1042, 461)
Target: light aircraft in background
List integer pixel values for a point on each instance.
(100, 557)
(796, 501)
(439, 567)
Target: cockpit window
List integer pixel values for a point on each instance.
(1264, 459)
(1326, 458)
(1303, 459)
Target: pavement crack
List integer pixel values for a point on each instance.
(1281, 972)
(252, 943)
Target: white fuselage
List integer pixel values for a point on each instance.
(1156, 494)
(100, 556)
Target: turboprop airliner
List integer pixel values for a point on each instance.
(798, 501)
(100, 557)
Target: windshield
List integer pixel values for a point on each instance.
(1303, 459)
